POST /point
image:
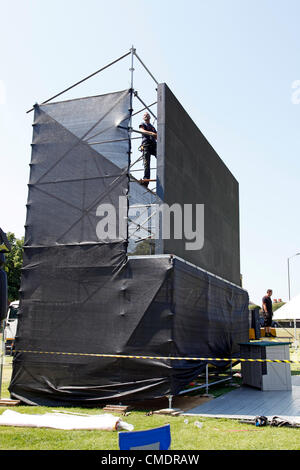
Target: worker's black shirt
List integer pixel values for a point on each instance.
(148, 139)
(267, 300)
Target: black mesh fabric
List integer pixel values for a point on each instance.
(3, 292)
(80, 161)
(82, 297)
(153, 306)
(69, 177)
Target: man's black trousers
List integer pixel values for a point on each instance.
(148, 150)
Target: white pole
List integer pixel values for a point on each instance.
(289, 285)
(2, 352)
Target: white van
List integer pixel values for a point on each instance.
(11, 326)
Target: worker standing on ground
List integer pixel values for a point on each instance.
(267, 312)
(148, 144)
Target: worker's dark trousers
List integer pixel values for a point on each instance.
(149, 149)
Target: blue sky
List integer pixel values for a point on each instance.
(230, 63)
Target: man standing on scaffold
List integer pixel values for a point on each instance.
(148, 145)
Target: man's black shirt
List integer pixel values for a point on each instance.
(148, 139)
(267, 300)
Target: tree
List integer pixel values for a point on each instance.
(13, 265)
(145, 247)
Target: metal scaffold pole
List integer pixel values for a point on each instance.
(84, 79)
(132, 52)
(131, 70)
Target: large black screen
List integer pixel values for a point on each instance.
(189, 171)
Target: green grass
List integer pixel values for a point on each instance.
(215, 434)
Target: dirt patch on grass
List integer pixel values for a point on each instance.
(184, 403)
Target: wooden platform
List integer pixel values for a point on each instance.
(247, 402)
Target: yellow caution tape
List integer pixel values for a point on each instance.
(163, 358)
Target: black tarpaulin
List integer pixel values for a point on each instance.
(70, 176)
(4, 248)
(82, 297)
(154, 306)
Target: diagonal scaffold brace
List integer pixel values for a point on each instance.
(84, 79)
(132, 53)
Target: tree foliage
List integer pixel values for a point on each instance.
(146, 247)
(13, 265)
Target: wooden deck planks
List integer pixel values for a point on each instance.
(248, 401)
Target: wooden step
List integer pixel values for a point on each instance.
(117, 408)
(8, 402)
